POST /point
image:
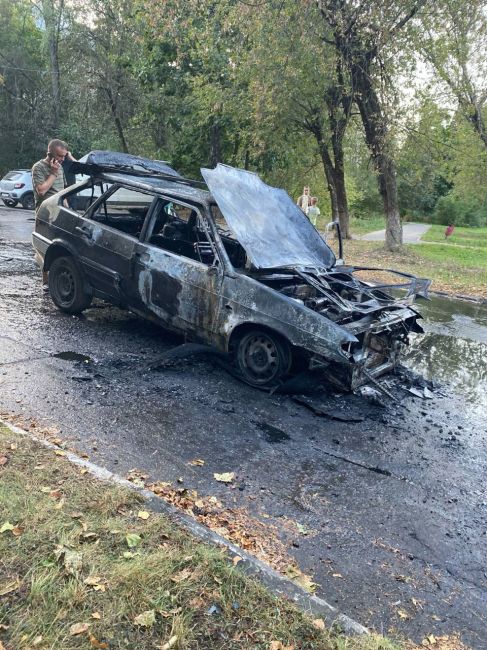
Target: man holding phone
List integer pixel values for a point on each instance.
(48, 178)
(47, 174)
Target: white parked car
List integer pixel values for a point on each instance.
(16, 187)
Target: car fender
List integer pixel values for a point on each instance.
(254, 304)
(58, 248)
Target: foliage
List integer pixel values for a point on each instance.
(461, 212)
(260, 87)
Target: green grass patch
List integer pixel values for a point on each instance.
(471, 237)
(80, 569)
(452, 269)
(363, 226)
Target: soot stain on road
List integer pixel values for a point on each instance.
(401, 549)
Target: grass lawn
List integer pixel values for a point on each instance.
(83, 566)
(452, 269)
(363, 226)
(471, 237)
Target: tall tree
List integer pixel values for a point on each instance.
(361, 33)
(24, 94)
(301, 80)
(452, 39)
(52, 13)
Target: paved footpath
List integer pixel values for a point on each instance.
(411, 233)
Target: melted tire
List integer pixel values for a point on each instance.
(262, 358)
(66, 286)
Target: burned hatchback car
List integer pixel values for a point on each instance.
(237, 266)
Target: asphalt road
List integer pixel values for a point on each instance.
(411, 233)
(391, 509)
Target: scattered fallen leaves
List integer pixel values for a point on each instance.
(236, 524)
(302, 529)
(7, 526)
(170, 644)
(78, 628)
(37, 641)
(133, 539)
(96, 615)
(226, 477)
(96, 582)
(71, 560)
(3, 460)
(278, 645)
(137, 478)
(197, 462)
(305, 582)
(97, 644)
(10, 586)
(337, 575)
(181, 576)
(146, 619)
(319, 623)
(236, 559)
(404, 615)
(143, 514)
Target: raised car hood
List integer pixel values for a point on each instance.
(96, 162)
(272, 229)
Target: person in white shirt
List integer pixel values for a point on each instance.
(313, 211)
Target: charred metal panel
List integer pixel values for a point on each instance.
(97, 161)
(246, 301)
(272, 229)
(182, 292)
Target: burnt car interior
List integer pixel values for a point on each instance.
(178, 229)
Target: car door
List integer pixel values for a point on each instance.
(177, 271)
(107, 236)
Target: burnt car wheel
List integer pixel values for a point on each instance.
(66, 286)
(27, 201)
(262, 358)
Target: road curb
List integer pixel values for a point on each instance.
(274, 581)
(458, 296)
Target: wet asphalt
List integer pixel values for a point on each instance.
(391, 508)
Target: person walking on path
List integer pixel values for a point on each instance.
(303, 201)
(449, 230)
(48, 179)
(313, 211)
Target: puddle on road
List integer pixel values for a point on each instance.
(73, 356)
(453, 349)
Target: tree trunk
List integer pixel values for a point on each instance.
(376, 137)
(215, 144)
(55, 83)
(342, 204)
(52, 15)
(335, 177)
(116, 119)
(474, 114)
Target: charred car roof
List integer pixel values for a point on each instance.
(258, 214)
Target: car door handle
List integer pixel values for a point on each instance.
(84, 232)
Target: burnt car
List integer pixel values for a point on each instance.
(231, 262)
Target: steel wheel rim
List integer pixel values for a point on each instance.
(261, 358)
(65, 286)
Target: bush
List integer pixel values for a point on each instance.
(451, 209)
